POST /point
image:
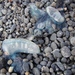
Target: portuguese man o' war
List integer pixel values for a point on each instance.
(46, 19)
(12, 46)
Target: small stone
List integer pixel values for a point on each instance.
(53, 37)
(65, 51)
(67, 72)
(59, 33)
(60, 65)
(26, 11)
(70, 28)
(37, 60)
(43, 63)
(1, 22)
(56, 53)
(1, 29)
(48, 49)
(27, 73)
(73, 52)
(72, 40)
(45, 69)
(14, 74)
(9, 62)
(13, 27)
(1, 53)
(51, 70)
(36, 71)
(3, 70)
(10, 69)
(53, 45)
(64, 60)
(69, 22)
(25, 66)
(4, 11)
(26, 20)
(46, 40)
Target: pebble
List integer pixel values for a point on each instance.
(48, 49)
(3, 70)
(64, 60)
(65, 51)
(53, 45)
(1, 22)
(59, 34)
(46, 40)
(45, 69)
(1, 29)
(60, 65)
(14, 74)
(27, 73)
(56, 53)
(36, 71)
(37, 60)
(9, 62)
(25, 66)
(13, 27)
(4, 11)
(72, 40)
(70, 22)
(73, 52)
(43, 63)
(53, 37)
(10, 69)
(67, 72)
(1, 53)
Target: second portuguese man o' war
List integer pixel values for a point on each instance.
(46, 19)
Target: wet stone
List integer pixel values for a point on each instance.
(60, 65)
(48, 49)
(73, 52)
(53, 45)
(43, 63)
(59, 33)
(53, 37)
(13, 27)
(65, 51)
(36, 71)
(56, 53)
(25, 66)
(67, 72)
(72, 40)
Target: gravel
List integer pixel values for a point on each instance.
(57, 49)
(65, 51)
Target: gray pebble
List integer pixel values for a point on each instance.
(1, 22)
(67, 72)
(72, 40)
(36, 71)
(53, 45)
(4, 11)
(69, 22)
(56, 53)
(14, 74)
(12, 28)
(25, 66)
(37, 60)
(26, 20)
(65, 51)
(64, 60)
(45, 69)
(43, 63)
(73, 52)
(48, 49)
(59, 33)
(46, 40)
(53, 37)
(60, 65)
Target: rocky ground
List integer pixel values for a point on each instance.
(58, 49)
